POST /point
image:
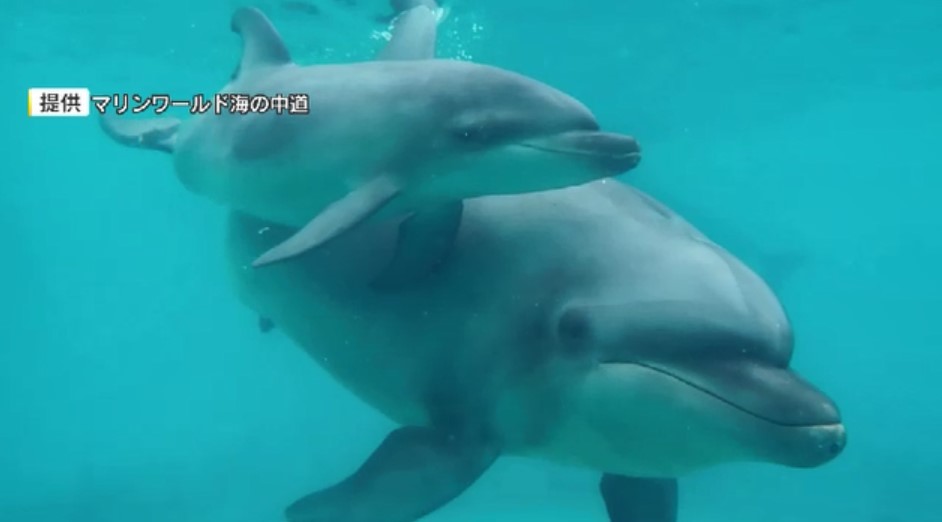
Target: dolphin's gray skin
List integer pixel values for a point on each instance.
(374, 10)
(590, 326)
(415, 31)
(399, 6)
(405, 134)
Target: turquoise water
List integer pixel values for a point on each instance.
(800, 134)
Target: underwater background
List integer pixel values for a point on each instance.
(802, 135)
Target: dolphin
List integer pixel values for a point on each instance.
(590, 326)
(405, 134)
(362, 10)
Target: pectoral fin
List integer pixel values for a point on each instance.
(424, 241)
(339, 217)
(629, 499)
(412, 473)
(151, 133)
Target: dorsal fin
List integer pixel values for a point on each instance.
(261, 44)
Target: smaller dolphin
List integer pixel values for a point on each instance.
(406, 134)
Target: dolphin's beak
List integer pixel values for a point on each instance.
(807, 424)
(608, 151)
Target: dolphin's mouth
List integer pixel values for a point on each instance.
(806, 409)
(752, 417)
(606, 150)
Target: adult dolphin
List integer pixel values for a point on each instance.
(590, 326)
(405, 134)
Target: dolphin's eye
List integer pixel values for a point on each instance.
(574, 330)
